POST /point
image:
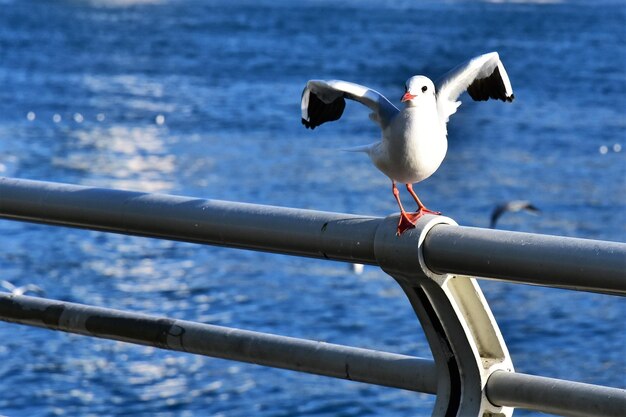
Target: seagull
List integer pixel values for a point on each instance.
(21, 290)
(414, 139)
(513, 206)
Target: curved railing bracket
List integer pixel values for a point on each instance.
(463, 335)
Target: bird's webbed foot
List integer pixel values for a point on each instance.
(408, 220)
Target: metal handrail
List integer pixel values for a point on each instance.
(343, 362)
(555, 396)
(537, 393)
(555, 261)
(472, 372)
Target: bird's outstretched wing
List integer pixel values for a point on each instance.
(483, 77)
(324, 101)
(513, 206)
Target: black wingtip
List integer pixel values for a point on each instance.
(533, 208)
(307, 124)
(320, 112)
(491, 87)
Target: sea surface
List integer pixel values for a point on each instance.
(201, 98)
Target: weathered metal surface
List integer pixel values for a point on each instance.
(555, 261)
(363, 365)
(580, 264)
(309, 233)
(555, 396)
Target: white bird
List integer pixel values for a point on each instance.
(21, 290)
(414, 139)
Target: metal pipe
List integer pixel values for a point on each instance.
(554, 396)
(344, 237)
(580, 264)
(566, 398)
(363, 365)
(554, 261)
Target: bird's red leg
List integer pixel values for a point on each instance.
(421, 209)
(406, 219)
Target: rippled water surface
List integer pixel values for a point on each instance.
(201, 98)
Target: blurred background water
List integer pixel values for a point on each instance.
(201, 98)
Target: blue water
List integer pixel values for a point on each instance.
(201, 98)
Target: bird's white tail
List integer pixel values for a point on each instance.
(362, 148)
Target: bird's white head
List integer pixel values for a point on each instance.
(418, 89)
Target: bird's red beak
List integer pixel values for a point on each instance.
(407, 96)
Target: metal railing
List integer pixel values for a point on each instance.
(472, 373)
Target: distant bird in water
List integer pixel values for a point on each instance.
(414, 139)
(32, 288)
(512, 206)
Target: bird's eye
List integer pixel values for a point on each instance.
(424, 89)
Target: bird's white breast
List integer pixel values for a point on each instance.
(413, 146)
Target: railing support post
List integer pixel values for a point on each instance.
(463, 335)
